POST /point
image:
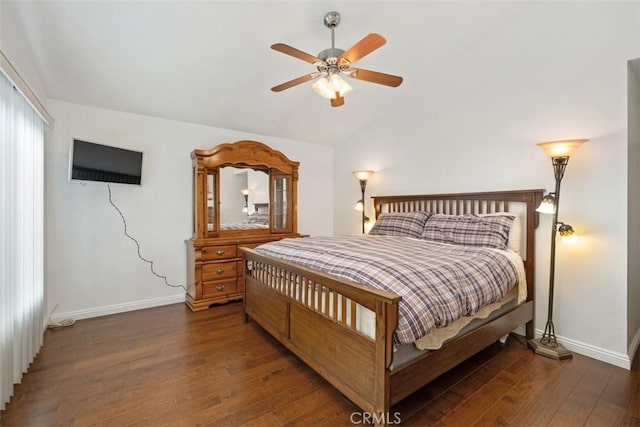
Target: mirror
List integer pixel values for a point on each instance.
(240, 211)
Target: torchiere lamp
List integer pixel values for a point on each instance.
(362, 177)
(559, 151)
(245, 193)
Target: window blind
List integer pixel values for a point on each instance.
(21, 236)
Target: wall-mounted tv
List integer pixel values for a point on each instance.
(102, 163)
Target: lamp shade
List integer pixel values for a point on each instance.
(359, 205)
(564, 148)
(362, 175)
(547, 205)
(567, 234)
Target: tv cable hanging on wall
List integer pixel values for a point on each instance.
(148, 261)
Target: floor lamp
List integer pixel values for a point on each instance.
(559, 151)
(245, 194)
(362, 177)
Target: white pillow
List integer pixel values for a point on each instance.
(513, 242)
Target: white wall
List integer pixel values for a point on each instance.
(557, 71)
(633, 275)
(14, 44)
(258, 185)
(91, 268)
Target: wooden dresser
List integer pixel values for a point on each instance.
(244, 194)
(215, 270)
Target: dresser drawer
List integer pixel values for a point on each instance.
(219, 287)
(210, 253)
(219, 270)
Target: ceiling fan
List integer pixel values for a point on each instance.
(332, 64)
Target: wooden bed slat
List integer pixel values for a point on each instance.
(343, 305)
(354, 310)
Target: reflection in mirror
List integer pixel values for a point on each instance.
(236, 211)
(211, 212)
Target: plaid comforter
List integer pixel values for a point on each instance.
(242, 226)
(438, 282)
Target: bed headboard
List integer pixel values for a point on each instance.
(524, 202)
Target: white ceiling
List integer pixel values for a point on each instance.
(209, 62)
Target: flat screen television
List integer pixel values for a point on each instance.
(102, 163)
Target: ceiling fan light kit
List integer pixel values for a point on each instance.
(333, 65)
(331, 88)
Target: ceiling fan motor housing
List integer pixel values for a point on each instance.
(331, 61)
(331, 53)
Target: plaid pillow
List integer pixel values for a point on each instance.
(469, 230)
(407, 224)
(261, 218)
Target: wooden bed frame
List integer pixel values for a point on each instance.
(359, 366)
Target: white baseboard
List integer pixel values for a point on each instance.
(613, 358)
(117, 308)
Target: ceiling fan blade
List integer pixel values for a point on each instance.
(338, 101)
(292, 51)
(368, 44)
(376, 77)
(292, 83)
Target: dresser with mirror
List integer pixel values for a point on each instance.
(244, 194)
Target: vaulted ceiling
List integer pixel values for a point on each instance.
(210, 62)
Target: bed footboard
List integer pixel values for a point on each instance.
(321, 320)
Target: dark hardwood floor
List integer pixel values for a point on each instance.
(166, 366)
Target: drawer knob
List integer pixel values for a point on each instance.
(220, 252)
(220, 288)
(220, 270)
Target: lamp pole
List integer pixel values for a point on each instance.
(362, 176)
(559, 151)
(549, 335)
(363, 186)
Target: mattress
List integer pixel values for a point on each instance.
(439, 283)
